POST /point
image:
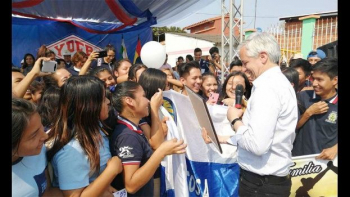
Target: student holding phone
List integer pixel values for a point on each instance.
(82, 63)
(106, 58)
(21, 83)
(214, 61)
(210, 88)
(102, 54)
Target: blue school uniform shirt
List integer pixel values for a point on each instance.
(72, 168)
(28, 175)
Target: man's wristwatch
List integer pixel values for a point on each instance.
(234, 121)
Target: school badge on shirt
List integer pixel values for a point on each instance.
(124, 152)
(332, 117)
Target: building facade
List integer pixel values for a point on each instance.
(211, 26)
(289, 32)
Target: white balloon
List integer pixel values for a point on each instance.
(153, 54)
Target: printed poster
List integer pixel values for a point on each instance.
(311, 177)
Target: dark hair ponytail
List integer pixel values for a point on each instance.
(125, 89)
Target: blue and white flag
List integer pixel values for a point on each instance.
(202, 171)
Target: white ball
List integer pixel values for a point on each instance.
(153, 54)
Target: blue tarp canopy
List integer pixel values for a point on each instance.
(98, 22)
(29, 34)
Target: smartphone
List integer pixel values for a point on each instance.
(213, 98)
(102, 54)
(48, 66)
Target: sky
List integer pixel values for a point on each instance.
(268, 12)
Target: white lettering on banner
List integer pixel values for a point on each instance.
(310, 168)
(198, 191)
(206, 189)
(72, 44)
(193, 185)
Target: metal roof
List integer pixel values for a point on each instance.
(321, 14)
(206, 21)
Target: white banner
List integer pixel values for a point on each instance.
(207, 172)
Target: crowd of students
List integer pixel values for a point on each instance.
(96, 121)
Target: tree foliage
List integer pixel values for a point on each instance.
(161, 30)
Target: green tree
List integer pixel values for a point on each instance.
(159, 32)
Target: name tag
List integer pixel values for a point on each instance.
(120, 193)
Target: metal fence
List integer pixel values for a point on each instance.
(289, 35)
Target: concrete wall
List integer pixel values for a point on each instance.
(176, 45)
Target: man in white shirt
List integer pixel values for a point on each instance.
(265, 135)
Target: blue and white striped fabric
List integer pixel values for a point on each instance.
(202, 171)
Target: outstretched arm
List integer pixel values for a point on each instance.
(87, 64)
(22, 87)
(175, 82)
(136, 177)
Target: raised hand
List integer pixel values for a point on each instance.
(157, 100)
(328, 153)
(173, 146)
(93, 56)
(37, 67)
(318, 108)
